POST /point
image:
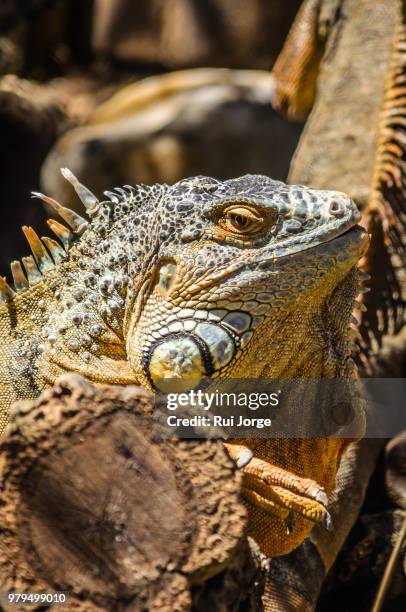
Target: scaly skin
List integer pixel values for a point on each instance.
(145, 292)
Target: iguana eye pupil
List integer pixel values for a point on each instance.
(239, 221)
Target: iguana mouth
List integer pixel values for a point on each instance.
(357, 227)
(313, 239)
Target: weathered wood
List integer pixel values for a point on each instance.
(94, 503)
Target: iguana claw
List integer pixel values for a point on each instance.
(240, 454)
(244, 458)
(327, 522)
(290, 522)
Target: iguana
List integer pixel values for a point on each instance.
(247, 277)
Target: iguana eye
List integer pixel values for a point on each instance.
(242, 221)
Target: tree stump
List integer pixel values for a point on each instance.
(92, 502)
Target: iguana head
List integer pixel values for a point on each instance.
(250, 278)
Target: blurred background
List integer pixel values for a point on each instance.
(125, 91)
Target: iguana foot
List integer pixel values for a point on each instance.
(279, 492)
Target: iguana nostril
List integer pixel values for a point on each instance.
(337, 208)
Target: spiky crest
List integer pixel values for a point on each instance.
(47, 252)
(88, 198)
(77, 223)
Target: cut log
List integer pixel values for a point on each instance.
(93, 502)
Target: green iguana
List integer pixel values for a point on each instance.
(247, 277)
